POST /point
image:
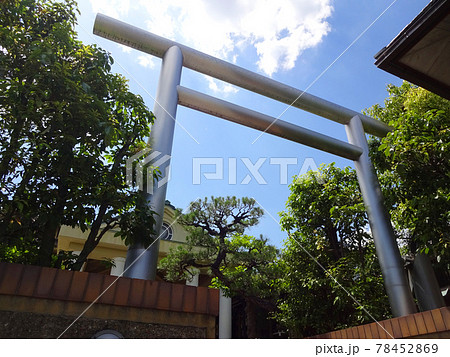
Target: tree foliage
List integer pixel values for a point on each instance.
(413, 164)
(329, 250)
(67, 125)
(240, 264)
(331, 275)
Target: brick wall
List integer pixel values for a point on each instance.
(427, 324)
(52, 292)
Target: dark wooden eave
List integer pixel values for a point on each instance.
(420, 54)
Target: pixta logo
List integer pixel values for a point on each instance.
(214, 168)
(143, 164)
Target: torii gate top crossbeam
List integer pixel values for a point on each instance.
(145, 41)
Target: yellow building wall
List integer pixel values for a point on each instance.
(72, 239)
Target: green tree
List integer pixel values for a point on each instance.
(68, 125)
(240, 264)
(413, 164)
(331, 275)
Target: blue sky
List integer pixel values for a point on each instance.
(291, 41)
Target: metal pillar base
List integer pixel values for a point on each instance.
(426, 287)
(141, 263)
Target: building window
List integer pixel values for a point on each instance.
(166, 232)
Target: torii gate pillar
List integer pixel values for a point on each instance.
(141, 263)
(394, 276)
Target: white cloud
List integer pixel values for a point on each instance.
(217, 86)
(146, 61)
(113, 8)
(279, 31)
(124, 48)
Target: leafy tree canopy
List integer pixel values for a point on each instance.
(331, 275)
(240, 264)
(67, 125)
(413, 164)
(326, 222)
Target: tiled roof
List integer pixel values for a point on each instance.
(56, 284)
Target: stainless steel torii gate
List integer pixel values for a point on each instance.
(170, 94)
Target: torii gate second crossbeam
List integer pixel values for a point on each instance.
(170, 94)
